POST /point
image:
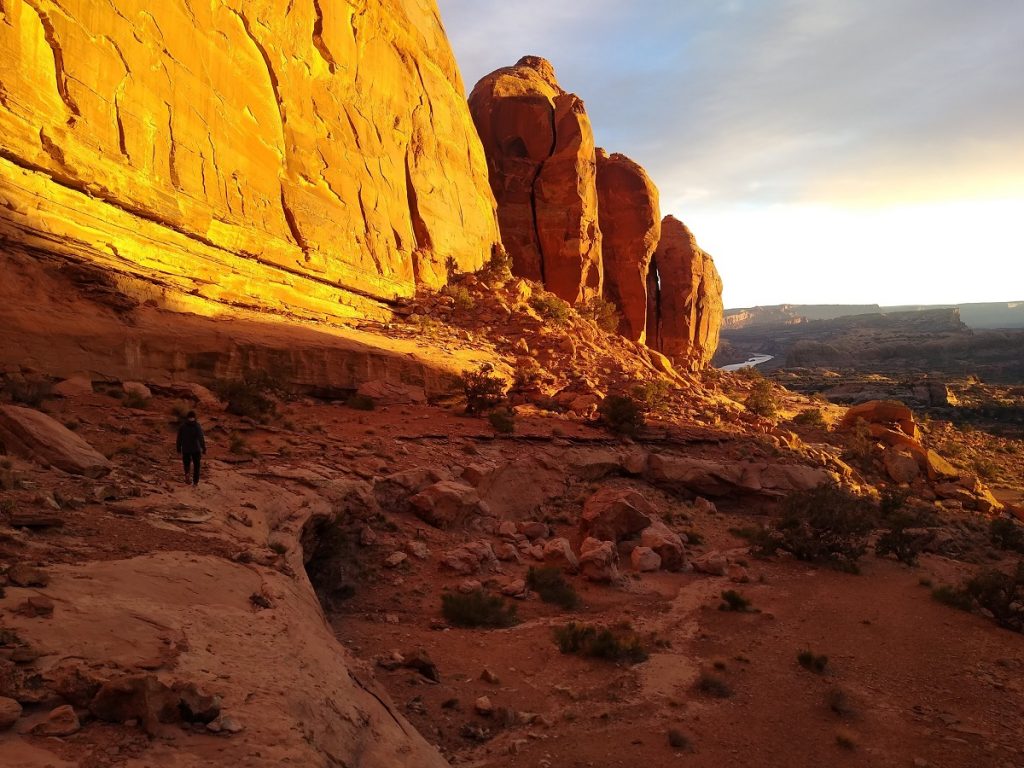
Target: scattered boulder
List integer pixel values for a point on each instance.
(138, 389)
(483, 706)
(75, 386)
(394, 491)
(470, 558)
(900, 465)
(644, 559)
(533, 529)
(417, 549)
(142, 698)
(515, 588)
(420, 661)
(38, 437)
(669, 546)
(516, 491)
(558, 553)
(938, 468)
(615, 514)
(61, 721)
(25, 575)
(395, 559)
(597, 561)
(446, 503)
(882, 412)
(712, 563)
(10, 711)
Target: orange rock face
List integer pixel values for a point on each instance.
(540, 154)
(631, 226)
(684, 298)
(299, 157)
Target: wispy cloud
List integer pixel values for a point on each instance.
(788, 102)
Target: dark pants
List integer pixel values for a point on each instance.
(192, 459)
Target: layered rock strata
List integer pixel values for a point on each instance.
(308, 158)
(540, 154)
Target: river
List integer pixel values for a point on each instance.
(755, 360)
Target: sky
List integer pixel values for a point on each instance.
(823, 151)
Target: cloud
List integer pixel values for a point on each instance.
(737, 106)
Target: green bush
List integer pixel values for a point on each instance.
(622, 414)
(477, 609)
(812, 417)
(762, 400)
(464, 301)
(953, 597)
(734, 601)
(812, 662)
(550, 307)
(827, 524)
(713, 685)
(552, 587)
(1000, 595)
(900, 539)
(651, 396)
(247, 396)
(618, 643)
(603, 313)
(483, 389)
(503, 420)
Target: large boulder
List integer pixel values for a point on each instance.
(684, 298)
(890, 413)
(40, 438)
(631, 228)
(688, 476)
(615, 514)
(540, 154)
(518, 489)
(666, 543)
(326, 177)
(446, 504)
(900, 465)
(598, 561)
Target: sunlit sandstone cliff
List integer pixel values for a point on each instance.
(302, 156)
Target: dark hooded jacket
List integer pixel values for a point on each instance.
(191, 438)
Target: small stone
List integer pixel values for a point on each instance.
(35, 607)
(645, 559)
(367, 536)
(395, 559)
(224, 724)
(484, 707)
(24, 575)
(10, 711)
(469, 585)
(62, 721)
(489, 677)
(515, 588)
(417, 549)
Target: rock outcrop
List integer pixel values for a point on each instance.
(684, 298)
(42, 439)
(540, 154)
(303, 158)
(631, 228)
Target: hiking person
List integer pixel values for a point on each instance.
(191, 446)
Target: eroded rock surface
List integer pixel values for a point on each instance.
(306, 158)
(631, 228)
(684, 300)
(540, 153)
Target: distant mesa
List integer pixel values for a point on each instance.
(587, 223)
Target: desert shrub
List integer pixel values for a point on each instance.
(135, 399)
(734, 601)
(451, 268)
(839, 702)
(483, 389)
(861, 445)
(499, 267)
(552, 587)
(550, 307)
(1000, 595)
(247, 396)
(503, 420)
(1007, 534)
(651, 396)
(986, 469)
(900, 539)
(238, 445)
(603, 313)
(812, 417)
(477, 609)
(812, 662)
(893, 503)
(361, 402)
(953, 597)
(527, 374)
(460, 294)
(30, 392)
(713, 685)
(618, 643)
(677, 739)
(827, 524)
(762, 400)
(622, 414)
